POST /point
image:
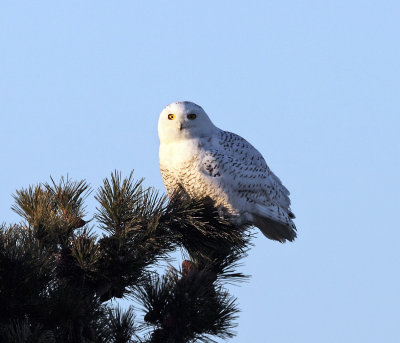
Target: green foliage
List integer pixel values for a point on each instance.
(57, 276)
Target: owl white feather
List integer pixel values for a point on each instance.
(205, 161)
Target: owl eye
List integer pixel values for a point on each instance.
(191, 116)
(171, 116)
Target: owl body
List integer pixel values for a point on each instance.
(207, 162)
(195, 170)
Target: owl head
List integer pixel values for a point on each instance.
(184, 120)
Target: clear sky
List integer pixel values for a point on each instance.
(314, 85)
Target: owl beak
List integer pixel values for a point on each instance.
(180, 126)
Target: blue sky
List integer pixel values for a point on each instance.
(314, 85)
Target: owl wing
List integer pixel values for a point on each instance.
(237, 170)
(245, 170)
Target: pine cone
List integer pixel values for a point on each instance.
(188, 267)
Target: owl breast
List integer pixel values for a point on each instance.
(184, 165)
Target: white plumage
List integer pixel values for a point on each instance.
(206, 161)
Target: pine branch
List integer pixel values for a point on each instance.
(53, 211)
(119, 326)
(25, 272)
(118, 202)
(208, 239)
(192, 304)
(184, 307)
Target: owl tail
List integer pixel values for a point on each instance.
(278, 230)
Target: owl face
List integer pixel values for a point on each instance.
(184, 120)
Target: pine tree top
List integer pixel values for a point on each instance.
(58, 271)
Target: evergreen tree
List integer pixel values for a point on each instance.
(58, 276)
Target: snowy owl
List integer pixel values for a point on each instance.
(205, 161)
